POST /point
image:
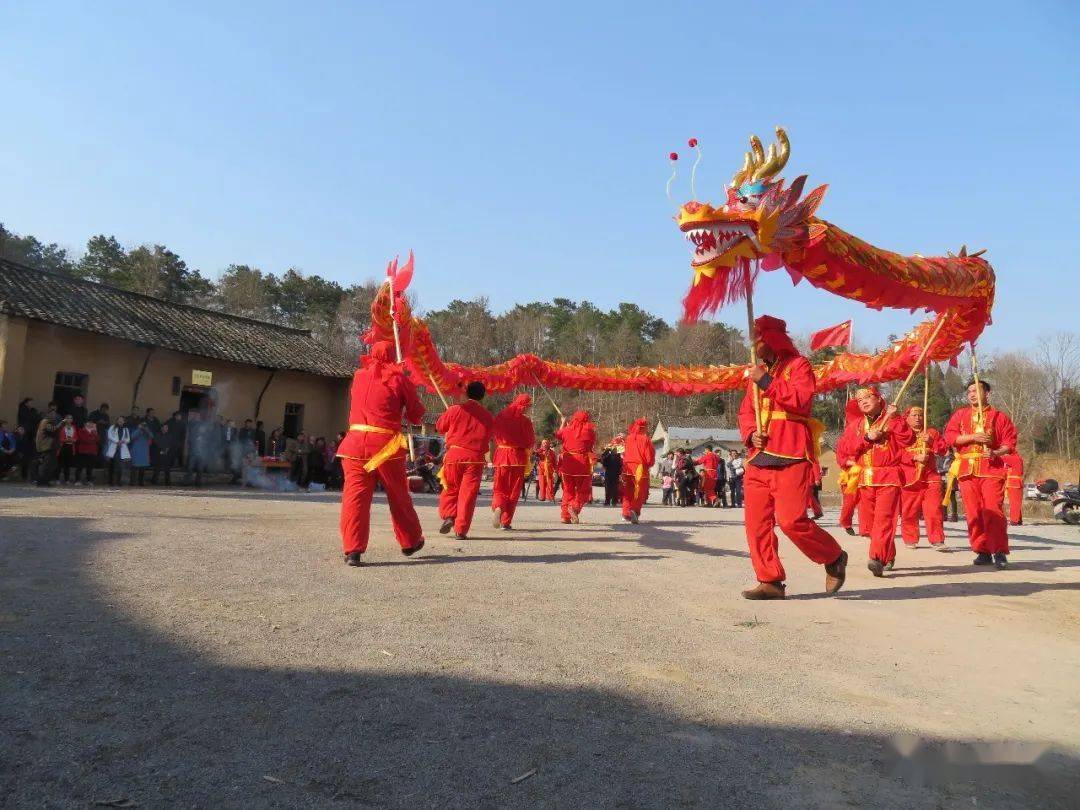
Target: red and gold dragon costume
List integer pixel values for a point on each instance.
(761, 226)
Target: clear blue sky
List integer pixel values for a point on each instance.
(521, 149)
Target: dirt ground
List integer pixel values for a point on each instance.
(210, 649)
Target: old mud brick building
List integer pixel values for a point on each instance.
(60, 336)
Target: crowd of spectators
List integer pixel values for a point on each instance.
(71, 446)
(682, 485)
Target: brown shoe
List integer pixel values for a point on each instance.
(836, 573)
(447, 525)
(765, 590)
(877, 567)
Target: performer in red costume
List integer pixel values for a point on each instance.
(874, 439)
(778, 470)
(578, 437)
(710, 465)
(514, 438)
(1014, 487)
(374, 448)
(921, 493)
(982, 438)
(467, 428)
(545, 471)
(637, 458)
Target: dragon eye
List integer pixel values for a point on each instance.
(743, 200)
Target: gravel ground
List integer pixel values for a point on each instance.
(210, 649)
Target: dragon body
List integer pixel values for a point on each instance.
(762, 226)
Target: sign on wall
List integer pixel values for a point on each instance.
(202, 377)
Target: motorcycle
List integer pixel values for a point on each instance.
(1065, 502)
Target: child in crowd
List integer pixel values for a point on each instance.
(667, 485)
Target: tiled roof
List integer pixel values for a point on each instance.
(670, 421)
(92, 307)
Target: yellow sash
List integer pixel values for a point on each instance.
(528, 457)
(393, 446)
(816, 428)
(442, 470)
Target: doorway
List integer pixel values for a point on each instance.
(196, 398)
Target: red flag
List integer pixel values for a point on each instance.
(839, 335)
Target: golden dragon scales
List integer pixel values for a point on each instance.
(761, 226)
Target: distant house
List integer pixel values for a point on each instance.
(693, 433)
(62, 336)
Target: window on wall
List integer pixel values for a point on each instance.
(67, 386)
(293, 422)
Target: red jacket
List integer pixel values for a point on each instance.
(514, 438)
(934, 446)
(710, 461)
(545, 461)
(87, 441)
(879, 461)
(785, 409)
(638, 450)
(377, 399)
(973, 458)
(1014, 467)
(468, 429)
(578, 440)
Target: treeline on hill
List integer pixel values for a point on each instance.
(1039, 388)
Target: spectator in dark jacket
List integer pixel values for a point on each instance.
(611, 460)
(166, 443)
(77, 410)
(260, 439)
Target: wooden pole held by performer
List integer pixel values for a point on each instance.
(551, 399)
(753, 348)
(397, 349)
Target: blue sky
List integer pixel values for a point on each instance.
(520, 149)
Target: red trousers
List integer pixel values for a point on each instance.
(883, 507)
(506, 491)
(847, 509)
(921, 500)
(546, 481)
(853, 504)
(778, 495)
(984, 509)
(708, 486)
(634, 494)
(1016, 503)
(356, 504)
(458, 498)
(576, 492)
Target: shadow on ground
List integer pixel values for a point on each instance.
(97, 709)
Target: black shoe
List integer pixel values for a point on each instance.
(1001, 561)
(890, 565)
(984, 559)
(460, 536)
(353, 559)
(507, 528)
(877, 568)
(849, 530)
(408, 552)
(447, 525)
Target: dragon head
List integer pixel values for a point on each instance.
(760, 221)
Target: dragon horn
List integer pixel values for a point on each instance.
(744, 173)
(775, 162)
(758, 150)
